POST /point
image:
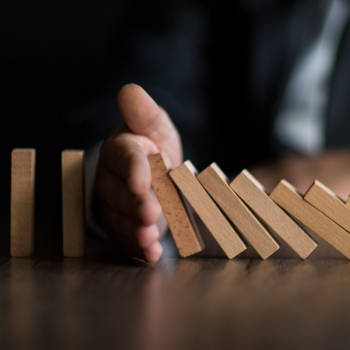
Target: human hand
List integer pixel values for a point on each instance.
(126, 208)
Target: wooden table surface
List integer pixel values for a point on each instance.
(105, 302)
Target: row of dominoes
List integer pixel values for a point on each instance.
(22, 202)
(245, 202)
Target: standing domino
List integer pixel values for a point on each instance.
(22, 202)
(73, 202)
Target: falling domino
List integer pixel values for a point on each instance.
(216, 183)
(73, 202)
(320, 209)
(185, 178)
(289, 199)
(329, 204)
(253, 194)
(180, 223)
(22, 202)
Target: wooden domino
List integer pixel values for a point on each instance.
(329, 204)
(216, 183)
(319, 209)
(73, 202)
(185, 178)
(180, 222)
(290, 200)
(22, 202)
(254, 195)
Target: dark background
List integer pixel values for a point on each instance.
(218, 69)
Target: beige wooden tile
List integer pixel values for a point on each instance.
(216, 184)
(73, 202)
(178, 216)
(290, 200)
(322, 198)
(185, 178)
(254, 195)
(22, 202)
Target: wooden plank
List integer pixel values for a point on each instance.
(322, 198)
(215, 182)
(178, 216)
(22, 202)
(73, 202)
(253, 194)
(290, 200)
(185, 178)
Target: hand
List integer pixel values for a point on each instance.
(126, 208)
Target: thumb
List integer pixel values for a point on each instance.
(143, 116)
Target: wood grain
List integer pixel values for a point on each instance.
(185, 178)
(322, 198)
(178, 216)
(290, 200)
(254, 195)
(73, 202)
(216, 183)
(177, 304)
(22, 202)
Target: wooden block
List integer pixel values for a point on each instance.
(180, 222)
(253, 194)
(290, 200)
(322, 198)
(216, 183)
(185, 178)
(73, 202)
(22, 202)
